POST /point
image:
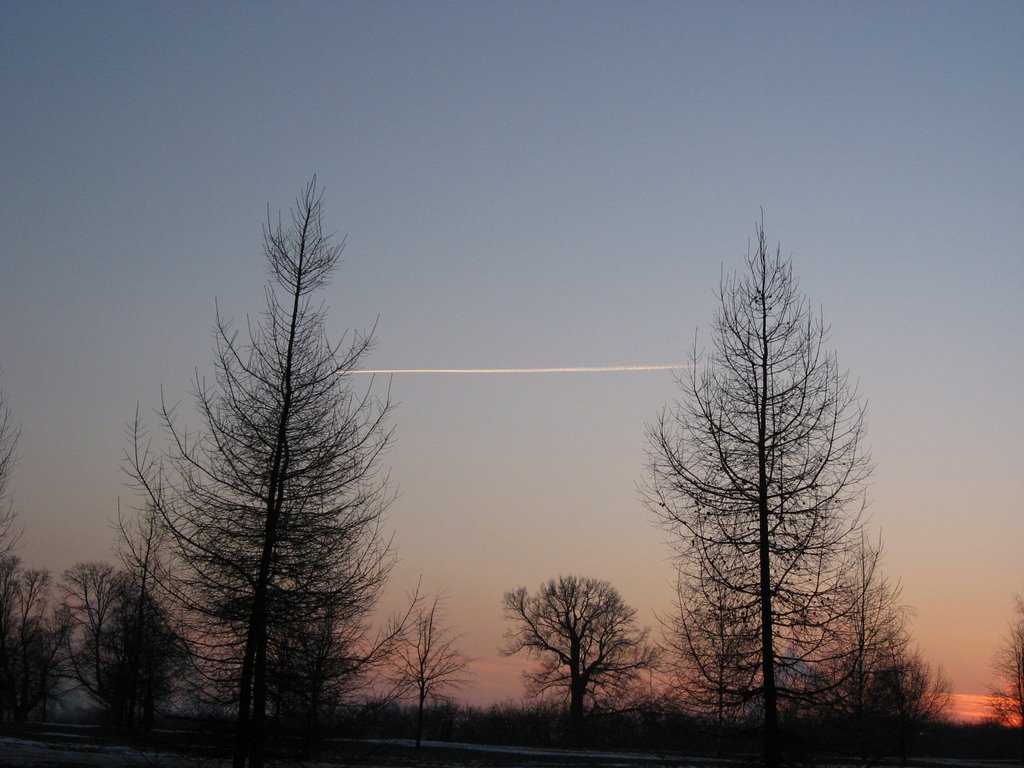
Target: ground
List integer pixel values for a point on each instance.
(39, 745)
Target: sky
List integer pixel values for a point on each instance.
(530, 185)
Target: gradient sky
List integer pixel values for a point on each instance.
(530, 185)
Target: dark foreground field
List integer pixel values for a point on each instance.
(38, 745)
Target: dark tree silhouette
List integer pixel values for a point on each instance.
(324, 662)
(121, 648)
(1007, 697)
(9, 433)
(153, 646)
(33, 633)
(427, 660)
(274, 509)
(759, 470)
(585, 638)
(873, 642)
(909, 693)
(94, 595)
(710, 652)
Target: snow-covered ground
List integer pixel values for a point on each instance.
(84, 751)
(602, 758)
(30, 753)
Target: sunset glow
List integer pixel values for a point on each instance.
(970, 707)
(523, 189)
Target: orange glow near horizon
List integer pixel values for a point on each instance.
(498, 679)
(970, 707)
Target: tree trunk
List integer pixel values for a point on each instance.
(577, 690)
(21, 710)
(242, 725)
(419, 720)
(771, 714)
(147, 710)
(256, 740)
(576, 711)
(258, 735)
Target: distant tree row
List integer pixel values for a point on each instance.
(660, 727)
(874, 692)
(101, 630)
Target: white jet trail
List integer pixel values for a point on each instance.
(576, 369)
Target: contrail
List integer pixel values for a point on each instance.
(576, 369)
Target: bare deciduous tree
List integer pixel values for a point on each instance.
(1007, 697)
(880, 689)
(153, 646)
(275, 508)
(585, 638)
(9, 433)
(328, 662)
(711, 654)
(760, 471)
(909, 693)
(870, 639)
(122, 650)
(33, 633)
(427, 660)
(93, 595)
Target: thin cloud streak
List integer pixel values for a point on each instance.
(576, 369)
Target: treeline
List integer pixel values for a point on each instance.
(97, 631)
(108, 633)
(662, 726)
